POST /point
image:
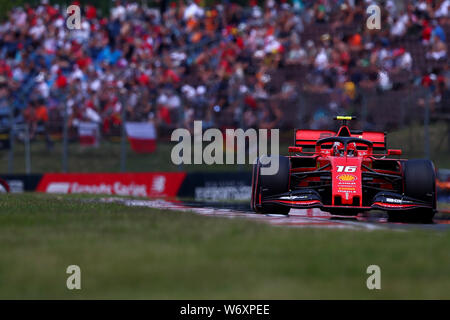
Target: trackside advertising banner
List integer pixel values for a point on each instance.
(199, 186)
(158, 184)
(218, 186)
(19, 183)
(202, 186)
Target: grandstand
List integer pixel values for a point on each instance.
(253, 64)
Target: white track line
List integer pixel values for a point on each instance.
(298, 218)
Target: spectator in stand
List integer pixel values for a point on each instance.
(133, 55)
(438, 49)
(437, 31)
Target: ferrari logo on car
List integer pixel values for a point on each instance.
(346, 177)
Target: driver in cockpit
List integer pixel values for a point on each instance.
(339, 149)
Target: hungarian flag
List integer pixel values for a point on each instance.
(88, 133)
(142, 136)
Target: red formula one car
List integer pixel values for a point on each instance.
(346, 173)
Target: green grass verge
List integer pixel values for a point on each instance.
(411, 140)
(139, 253)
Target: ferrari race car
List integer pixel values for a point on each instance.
(346, 173)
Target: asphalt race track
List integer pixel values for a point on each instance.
(376, 220)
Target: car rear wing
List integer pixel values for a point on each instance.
(307, 138)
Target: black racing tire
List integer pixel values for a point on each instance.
(267, 185)
(419, 182)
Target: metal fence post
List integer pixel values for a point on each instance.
(27, 150)
(426, 128)
(363, 109)
(11, 142)
(448, 135)
(123, 136)
(65, 138)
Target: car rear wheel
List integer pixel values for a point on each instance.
(419, 180)
(268, 185)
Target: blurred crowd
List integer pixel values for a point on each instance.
(184, 61)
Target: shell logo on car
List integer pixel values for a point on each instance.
(346, 177)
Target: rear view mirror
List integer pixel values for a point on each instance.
(394, 152)
(295, 149)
